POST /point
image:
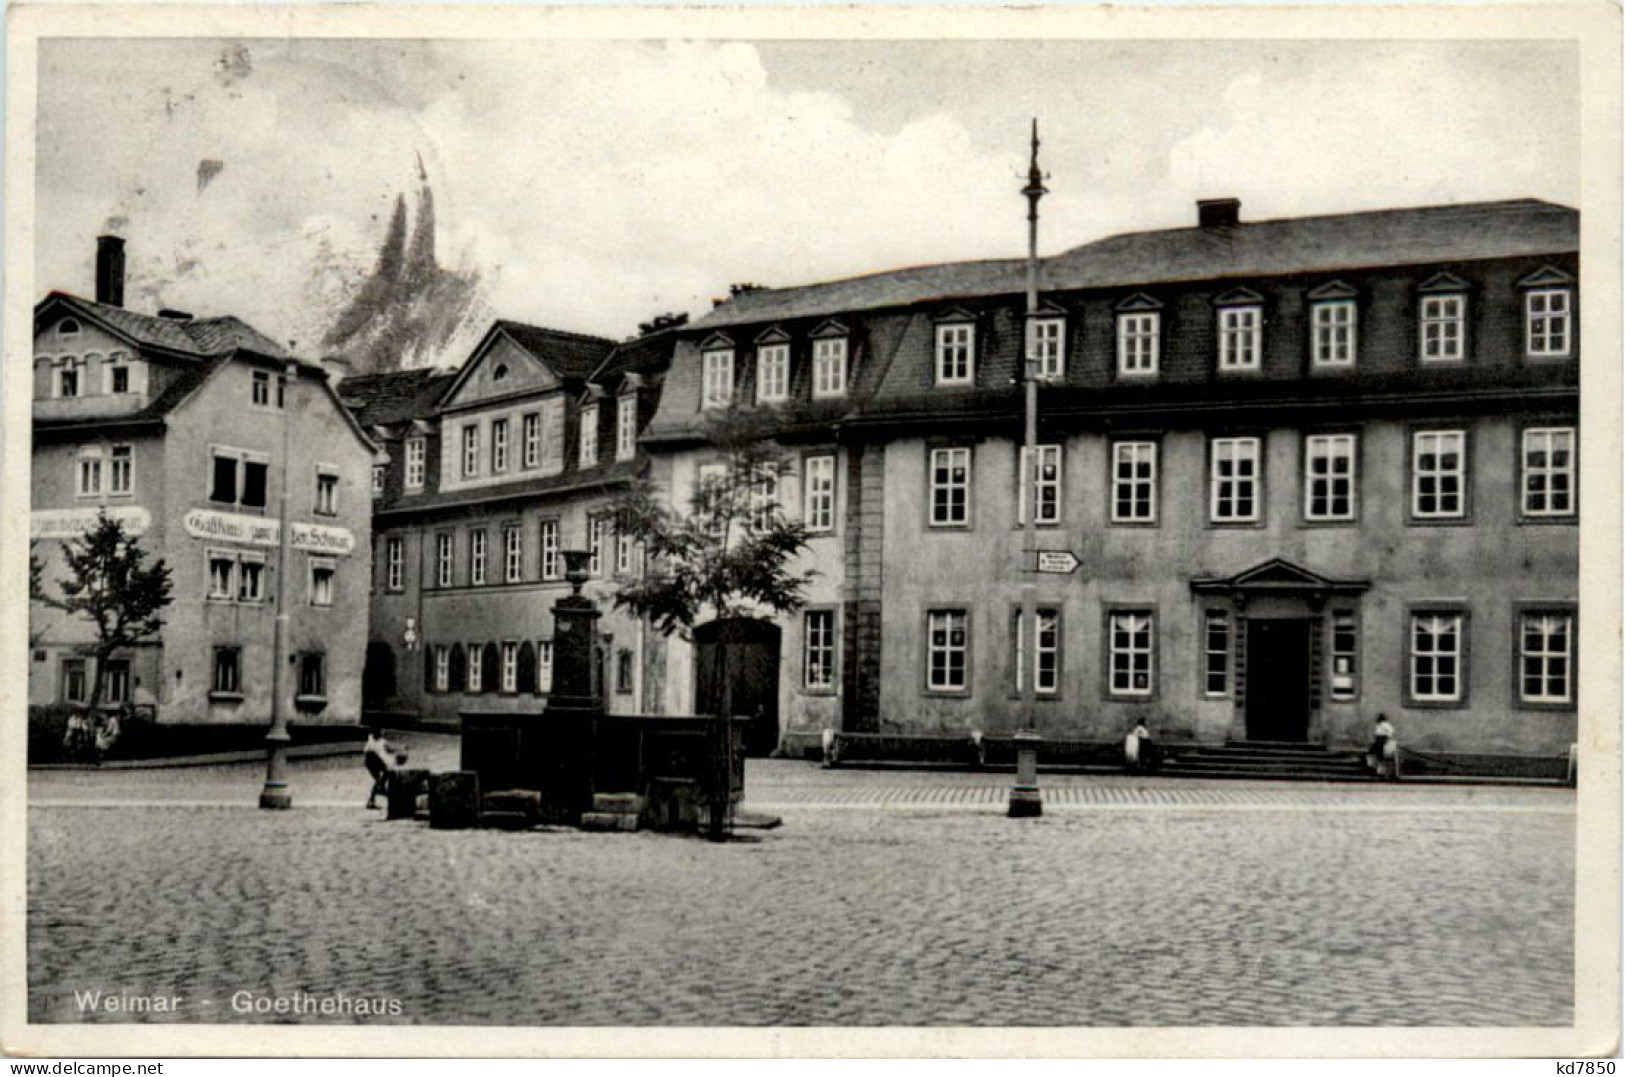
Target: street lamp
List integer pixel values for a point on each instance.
(276, 796)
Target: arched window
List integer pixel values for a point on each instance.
(67, 329)
(527, 668)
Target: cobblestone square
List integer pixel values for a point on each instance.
(885, 898)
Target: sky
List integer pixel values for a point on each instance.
(589, 185)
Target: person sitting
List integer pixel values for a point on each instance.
(1139, 751)
(378, 755)
(1380, 757)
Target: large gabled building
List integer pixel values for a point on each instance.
(189, 430)
(1314, 470)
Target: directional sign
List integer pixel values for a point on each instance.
(1060, 562)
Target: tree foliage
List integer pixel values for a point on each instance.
(110, 584)
(728, 552)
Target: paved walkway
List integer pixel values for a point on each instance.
(886, 898)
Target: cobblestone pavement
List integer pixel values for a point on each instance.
(886, 898)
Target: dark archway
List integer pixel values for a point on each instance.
(753, 668)
(378, 676)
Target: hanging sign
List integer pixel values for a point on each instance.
(65, 524)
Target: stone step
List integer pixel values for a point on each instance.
(605, 820)
(617, 803)
(524, 801)
(1301, 775)
(1277, 745)
(506, 820)
(1271, 762)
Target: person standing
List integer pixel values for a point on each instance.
(377, 754)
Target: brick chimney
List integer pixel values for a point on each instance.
(110, 270)
(1218, 212)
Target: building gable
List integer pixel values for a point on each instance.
(499, 368)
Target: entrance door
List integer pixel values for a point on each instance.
(1278, 680)
(378, 676)
(753, 670)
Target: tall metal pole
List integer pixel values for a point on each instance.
(1025, 798)
(276, 796)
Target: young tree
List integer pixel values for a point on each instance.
(110, 584)
(727, 556)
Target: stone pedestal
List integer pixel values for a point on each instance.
(454, 800)
(403, 790)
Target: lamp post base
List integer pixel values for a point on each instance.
(276, 796)
(1026, 802)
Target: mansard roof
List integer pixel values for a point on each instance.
(193, 337)
(400, 395)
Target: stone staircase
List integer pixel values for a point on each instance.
(1284, 760)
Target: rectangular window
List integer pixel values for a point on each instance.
(818, 650)
(1546, 657)
(623, 671)
(950, 487)
(445, 560)
(223, 483)
(260, 390)
(717, 386)
(510, 666)
(416, 455)
(531, 434)
(1332, 326)
(553, 435)
(1548, 471)
(499, 446)
(116, 681)
(544, 665)
(1443, 320)
(947, 651)
(1546, 316)
(772, 373)
(955, 347)
(1138, 343)
(222, 575)
(588, 455)
(1345, 654)
(1049, 653)
(764, 498)
(1046, 344)
(75, 681)
(255, 483)
(327, 493)
(227, 671)
(475, 681)
(1239, 332)
(712, 490)
(250, 577)
(119, 379)
(68, 378)
(322, 573)
(1129, 647)
(476, 557)
(378, 480)
(1048, 482)
(1329, 477)
(1134, 482)
(394, 563)
(1215, 653)
(550, 549)
(626, 427)
(1438, 474)
(90, 473)
(238, 477)
(818, 494)
(829, 368)
(1435, 658)
(1233, 480)
(513, 554)
(597, 537)
(471, 451)
(313, 675)
(442, 668)
(624, 550)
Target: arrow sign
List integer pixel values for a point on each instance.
(1059, 562)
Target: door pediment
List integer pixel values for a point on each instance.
(1278, 576)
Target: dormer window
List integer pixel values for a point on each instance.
(67, 376)
(1139, 337)
(1548, 305)
(829, 367)
(717, 378)
(956, 353)
(1241, 328)
(1333, 326)
(1046, 344)
(589, 436)
(1443, 318)
(626, 426)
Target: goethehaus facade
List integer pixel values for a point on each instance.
(1311, 470)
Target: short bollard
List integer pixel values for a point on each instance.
(1025, 799)
(402, 791)
(454, 800)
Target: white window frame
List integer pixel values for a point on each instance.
(474, 673)
(319, 594)
(1046, 345)
(548, 540)
(378, 479)
(1442, 328)
(471, 450)
(394, 563)
(251, 568)
(942, 463)
(626, 426)
(1125, 658)
(1241, 338)
(65, 366)
(445, 559)
(1545, 657)
(544, 665)
(499, 446)
(587, 436)
(1216, 652)
(941, 674)
(1139, 343)
(829, 368)
(1221, 451)
(241, 458)
(956, 353)
(89, 472)
(1551, 435)
(1128, 460)
(1428, 478)
(442, 668)
(1418, 659)
(1048, 682)
(1549, 322)
(530, 435)
(1343, 681)
(1334, 333)
(625, 548)
(818, 493)
(220, 588)
(417, 455)
(477, 548)
(717, 378)
(818, 650)
(112, 365)
(597, 538)
(510, 666)
(327, 491)
(513, 554)
(1340, 454)
(772, 373)
(259, 392)
(1049, 509)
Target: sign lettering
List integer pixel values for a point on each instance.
(65, 524)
